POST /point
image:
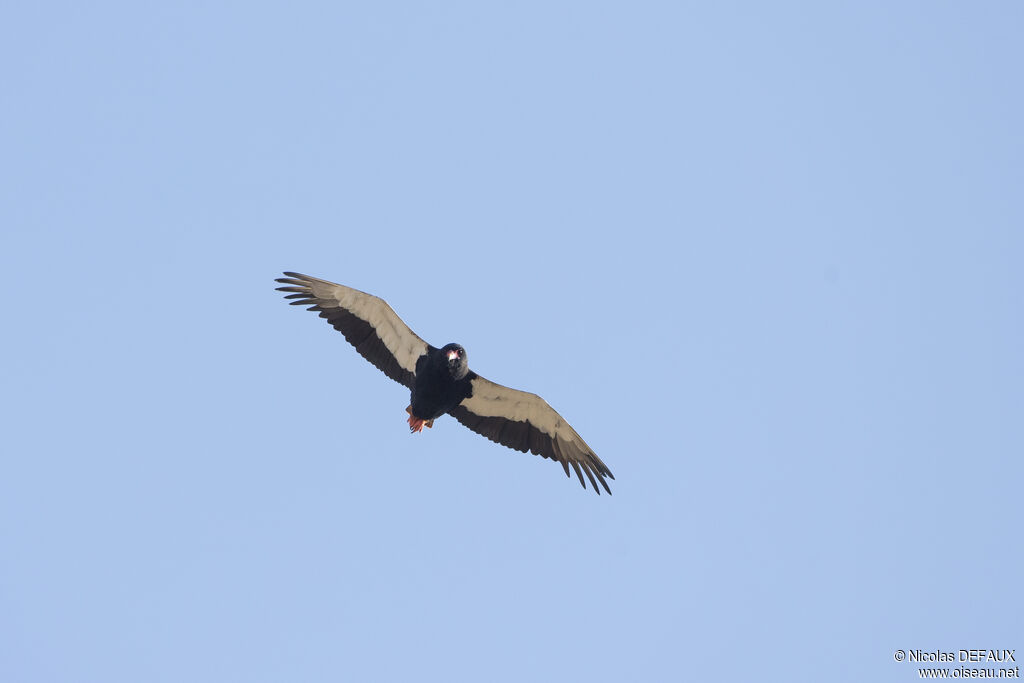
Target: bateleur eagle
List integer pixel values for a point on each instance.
(441, 382)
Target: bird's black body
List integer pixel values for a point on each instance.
(441, 382)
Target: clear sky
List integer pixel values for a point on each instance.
(765, 257)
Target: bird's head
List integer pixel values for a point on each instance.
(455, 357)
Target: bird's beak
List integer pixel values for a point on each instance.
(453, 354)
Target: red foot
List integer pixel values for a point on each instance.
(415, 423)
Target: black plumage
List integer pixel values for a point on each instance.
(440, 381)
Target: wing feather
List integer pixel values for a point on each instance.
(367, 322)
(525, 422)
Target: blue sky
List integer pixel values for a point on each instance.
(765, 257)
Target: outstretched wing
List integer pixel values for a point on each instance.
(526, 422)
(367, 322)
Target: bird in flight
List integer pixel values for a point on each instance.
(441, 382)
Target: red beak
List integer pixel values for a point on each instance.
(453, 354)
